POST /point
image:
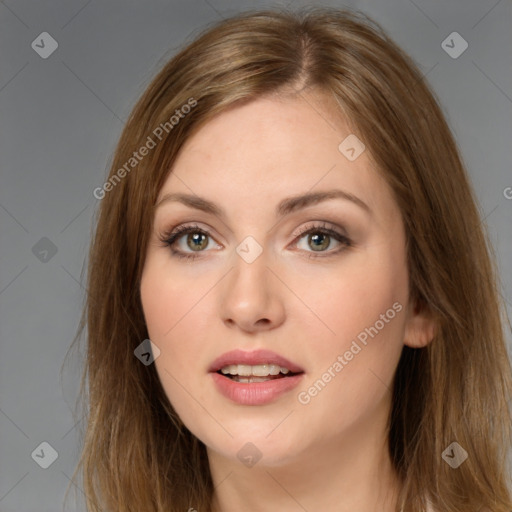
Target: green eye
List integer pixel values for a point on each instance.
(319, 239)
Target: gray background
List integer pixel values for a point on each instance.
(60, 118)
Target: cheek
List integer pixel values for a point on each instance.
(345, 301)
(177, 314)
(176, 324)
(360, 338)
(168, 298)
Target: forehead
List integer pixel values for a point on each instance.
(257, 153)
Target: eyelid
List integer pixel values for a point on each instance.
(181, 229)
(324, 225)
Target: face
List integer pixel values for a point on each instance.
(280, 321)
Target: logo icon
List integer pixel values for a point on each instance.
(249, 249)
(454, 455)
(147, 352)
(351, 147)
(249, 455)
(454, 45)
(44, 45)
(44, 250)
(45, 455)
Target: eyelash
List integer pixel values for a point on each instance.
(169, 238)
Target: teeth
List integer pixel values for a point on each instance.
(249, 380)
(258, 370)
(274, 369)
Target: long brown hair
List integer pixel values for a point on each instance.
(137, 455)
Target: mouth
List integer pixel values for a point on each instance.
(254, 378)
(258, 364)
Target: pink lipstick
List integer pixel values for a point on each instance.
(254, 378)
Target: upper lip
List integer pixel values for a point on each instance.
(253, 358)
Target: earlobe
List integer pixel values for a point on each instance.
(420, 328)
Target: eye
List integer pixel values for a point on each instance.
(319, 238)
(196, 240)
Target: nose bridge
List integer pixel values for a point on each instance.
(249, 294)
(249, 276)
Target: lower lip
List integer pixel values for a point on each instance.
(256, 393)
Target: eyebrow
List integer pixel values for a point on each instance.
(285, 207)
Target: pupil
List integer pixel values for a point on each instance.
(316, 238)
(196, 237)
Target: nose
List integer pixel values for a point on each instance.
(251, 297)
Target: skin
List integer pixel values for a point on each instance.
(331, 453)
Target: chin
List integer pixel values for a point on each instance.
(247, 446)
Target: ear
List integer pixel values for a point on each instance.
(420, 327)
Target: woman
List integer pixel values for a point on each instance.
(288, 220)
